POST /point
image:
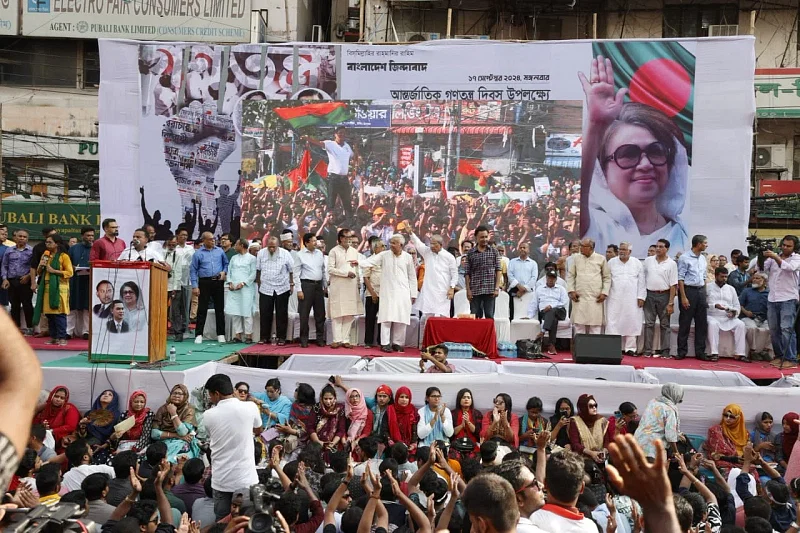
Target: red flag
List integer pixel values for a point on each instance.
(322, 168)
(444, 188)
(468, 169)
(301, 172)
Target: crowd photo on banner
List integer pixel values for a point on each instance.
(298, 210)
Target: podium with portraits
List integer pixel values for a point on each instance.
(128, 312)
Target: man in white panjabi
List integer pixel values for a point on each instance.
(344, 299)
(624, 314)
(723, 312)
(588, 282)
(398, 292)
(441, 277)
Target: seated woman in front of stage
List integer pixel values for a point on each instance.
(379, 408)
(500, 422)
(275, 407)
(560, 422)
(532, 423)
(329, 422)
(728, 438)
(175, 425)
(58, 415)
(467, 420)
(359, 417)
(97, 425)
(137, 438)
(435, 421)
(403, 420)
(302, 421)
(589, 433)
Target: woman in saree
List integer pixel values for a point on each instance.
(467, 420)
(175, 425)
(58, 415)
(532, 422)
(501, 423)
(137, 438)
(329, 422)
(97, 425)
(435, 421)
(302, 421)
(728, 438)
(359, 417)
(403, 419)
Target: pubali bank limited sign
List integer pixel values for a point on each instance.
(219, 21)
(67, 218)
(778, 92)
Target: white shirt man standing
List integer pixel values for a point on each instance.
(626, 298)
(441, 276)
(344, 300)
(139, 251)
(398, 292)
(783, 294)
(523, 274)
(661, 282)
(723, 312)
(339, 154)
(588, 283)
(230, 425)
(179, 258)
(275, 280)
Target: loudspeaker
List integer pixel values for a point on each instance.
(597, 349)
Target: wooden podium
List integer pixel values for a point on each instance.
(128, 312)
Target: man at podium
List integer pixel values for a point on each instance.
(138, 250)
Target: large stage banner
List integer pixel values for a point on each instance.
(543, 142)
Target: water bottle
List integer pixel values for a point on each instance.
(172, 355)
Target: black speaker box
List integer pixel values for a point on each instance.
(597, 349)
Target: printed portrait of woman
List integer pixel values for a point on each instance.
(635, 168)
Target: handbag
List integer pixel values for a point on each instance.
(530, 349)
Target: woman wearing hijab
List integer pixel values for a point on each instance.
(403, 420)
(762, 437)
(661, 421)
(435, 421)
(380, 409)
(590, 433)
(329, 422)
(500, 422)
(175, 425)
(275, 408)
(784, 442)
(137, 438)
(97, 425)
(359, 417)
(58, 415)
(560, 422)
(467, 421)
(728, 438)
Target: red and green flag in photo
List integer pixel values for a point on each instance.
(660, 74)
(317, 114)
(299, 173)
(470, 176)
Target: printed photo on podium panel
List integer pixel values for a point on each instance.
(120, 309)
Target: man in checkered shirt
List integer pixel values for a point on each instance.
(483, 275)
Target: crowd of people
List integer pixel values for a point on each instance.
(345, 460)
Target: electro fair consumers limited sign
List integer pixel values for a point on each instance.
(162, 20)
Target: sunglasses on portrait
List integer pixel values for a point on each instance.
(628, 156)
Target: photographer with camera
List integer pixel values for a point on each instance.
(230, 425)
(783, 271)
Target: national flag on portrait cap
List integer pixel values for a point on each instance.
(660, 74)
(317, 114)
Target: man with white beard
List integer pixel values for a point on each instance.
(398, 292)
(441, 277)
(624, 315)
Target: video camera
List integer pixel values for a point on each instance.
(48, 519)
(758, 246)
(262, 498)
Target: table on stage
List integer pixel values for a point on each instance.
(479, 332)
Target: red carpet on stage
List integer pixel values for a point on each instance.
(73, 345)
(755, 370)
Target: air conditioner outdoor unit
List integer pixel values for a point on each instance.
(418, 36)
(723, 30)
(770, 156)
(480, 37)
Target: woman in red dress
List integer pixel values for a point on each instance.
(403, 418)
(467, 420)
(58, 415)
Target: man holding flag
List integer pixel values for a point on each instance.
(339, 155)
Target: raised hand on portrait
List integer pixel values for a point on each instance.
(602, 102)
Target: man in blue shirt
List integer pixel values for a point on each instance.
(523, 273)
(739, 278)
(207, 274)
(694, 306)
(753, 301)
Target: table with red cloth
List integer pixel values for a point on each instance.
(479, 332)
